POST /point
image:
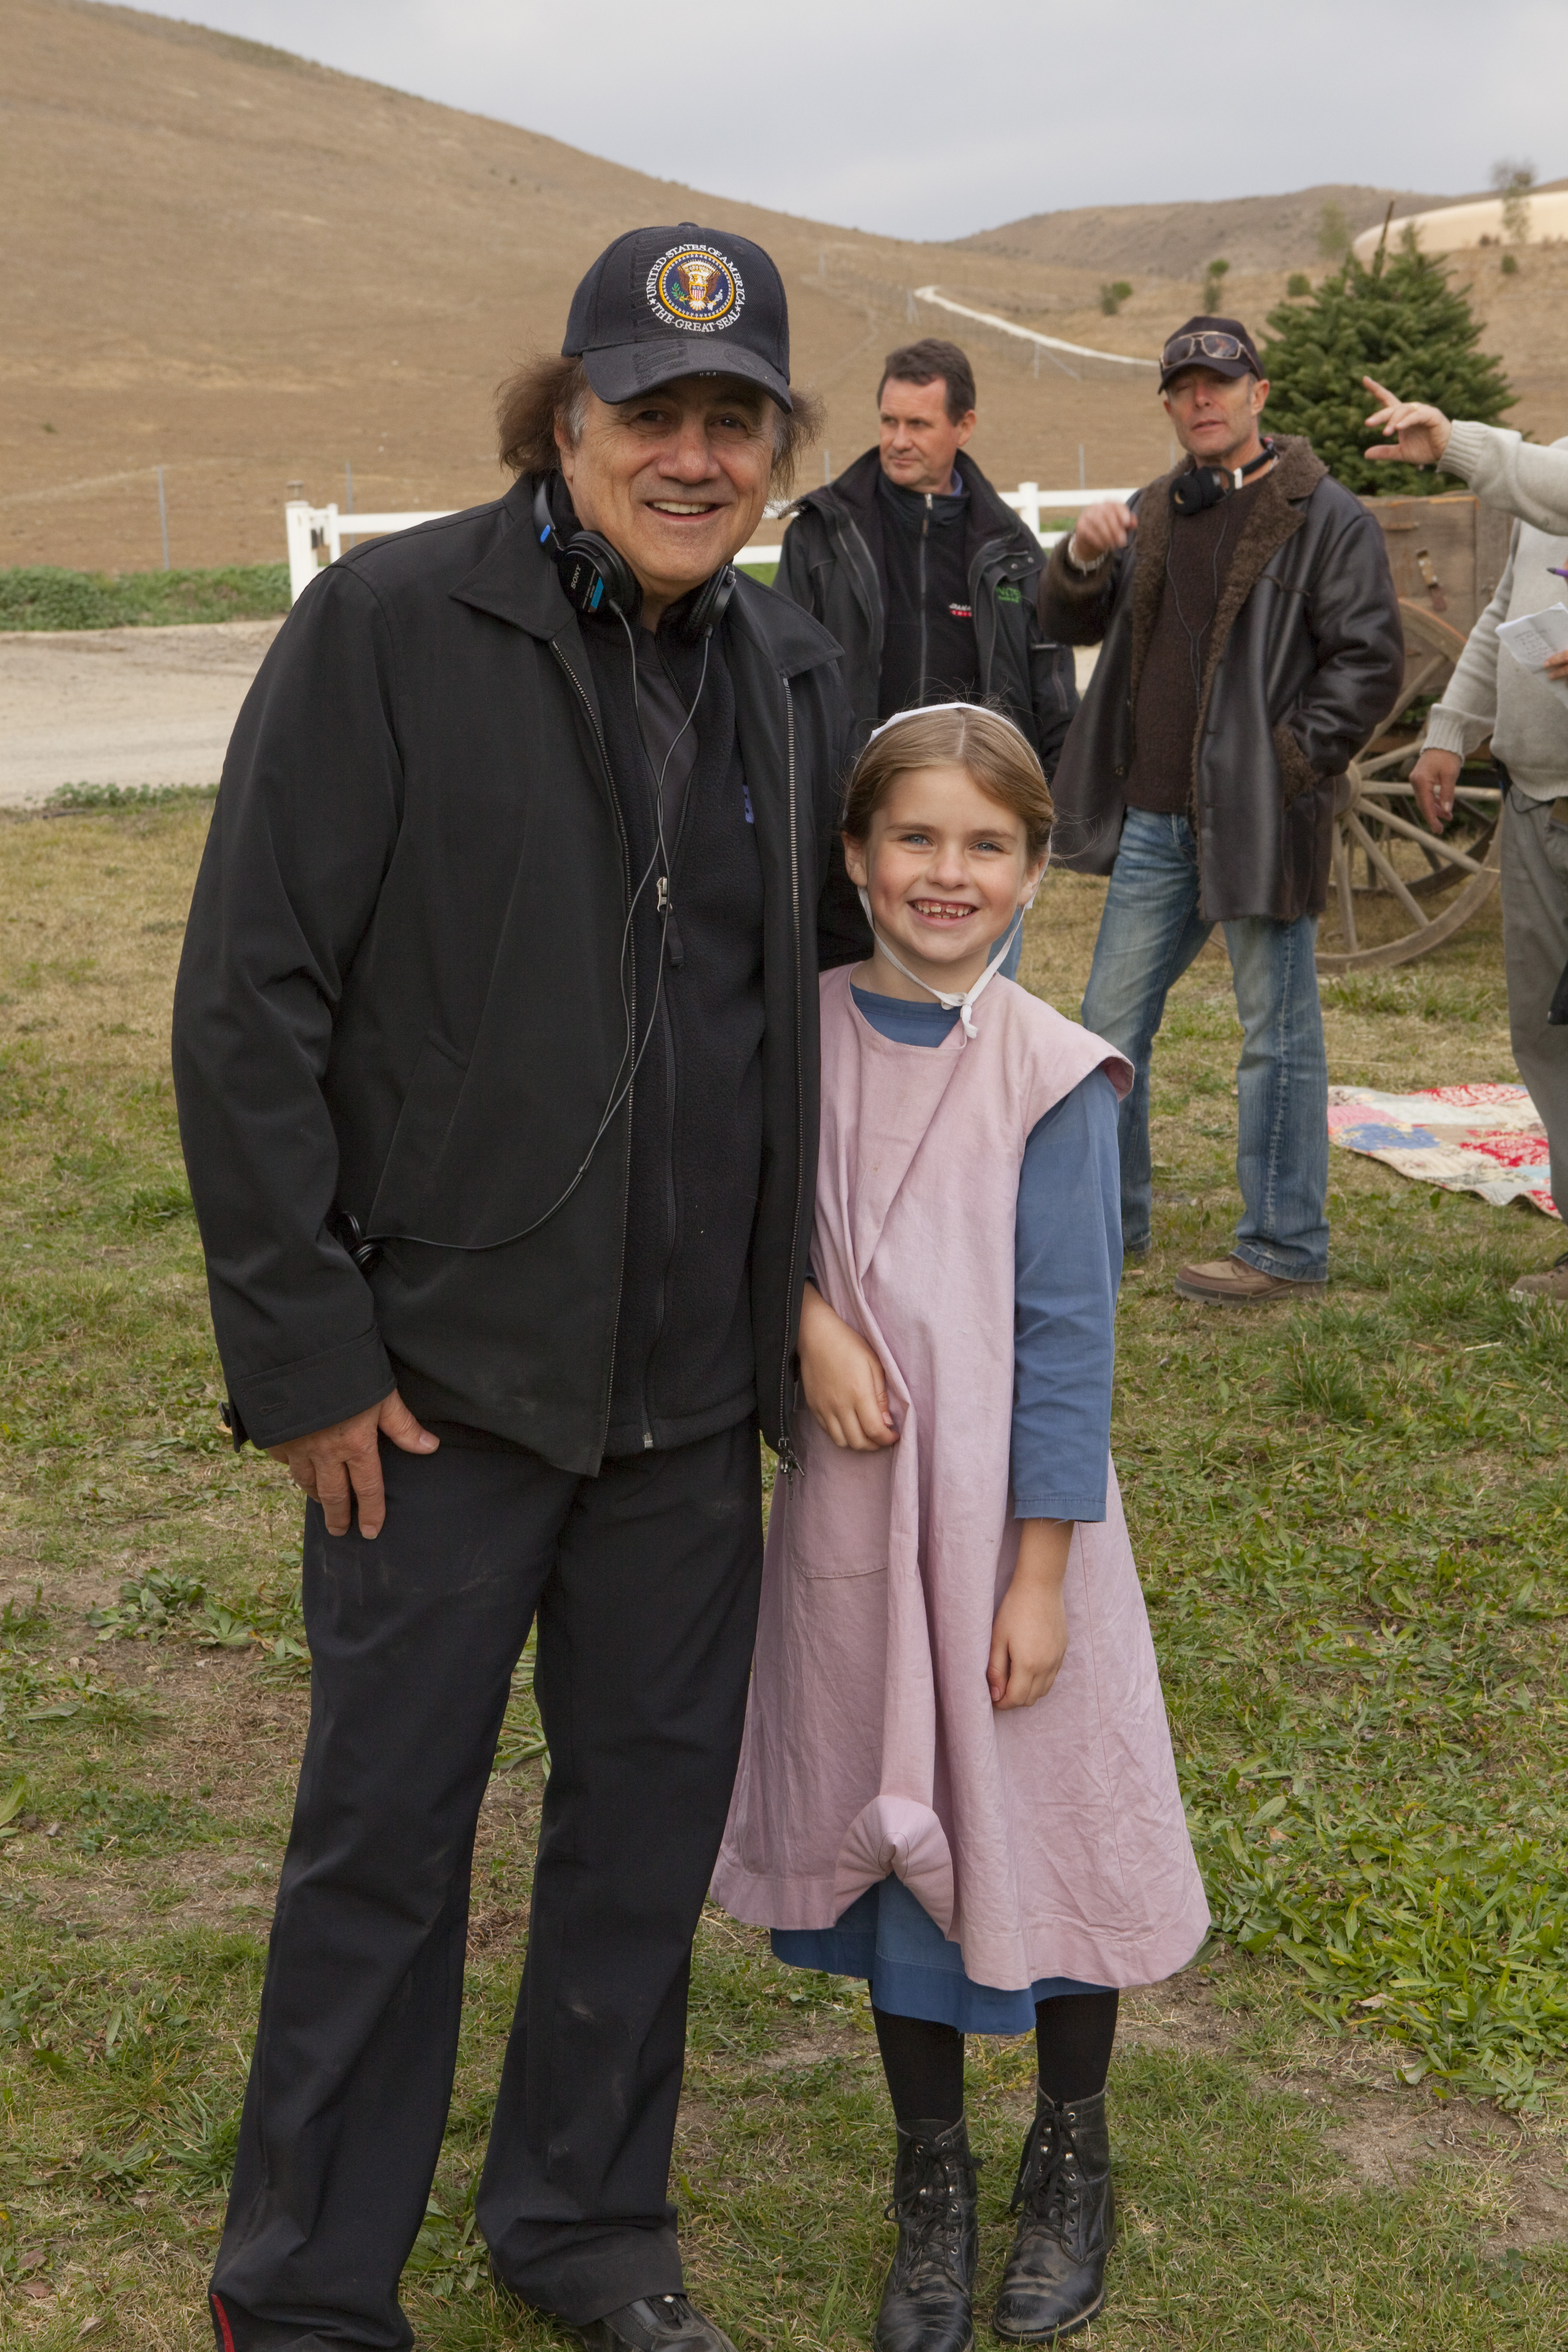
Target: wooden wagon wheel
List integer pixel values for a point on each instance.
(1390, 915)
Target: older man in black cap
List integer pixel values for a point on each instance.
(495, 1043)
(1251, 643)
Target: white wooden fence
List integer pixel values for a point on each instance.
(315, 534)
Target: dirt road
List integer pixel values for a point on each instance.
(134, 706)
(122, 706)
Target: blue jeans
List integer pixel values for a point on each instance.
(1149, 934)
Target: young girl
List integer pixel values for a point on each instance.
(957, 1779)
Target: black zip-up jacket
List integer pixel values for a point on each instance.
(402, 994)
(834, 565)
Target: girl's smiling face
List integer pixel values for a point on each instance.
(946, 868)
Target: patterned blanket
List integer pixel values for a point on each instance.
(1485, 1139)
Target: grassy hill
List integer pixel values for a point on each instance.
(249, 269)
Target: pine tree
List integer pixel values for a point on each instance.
(1399, 321)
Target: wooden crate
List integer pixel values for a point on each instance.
(1448, 553)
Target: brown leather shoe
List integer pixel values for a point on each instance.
(1231, 1282)
(1553, 1284)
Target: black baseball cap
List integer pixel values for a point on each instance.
(667, 302)
(1222, 345)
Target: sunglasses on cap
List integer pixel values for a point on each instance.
(1209, 345)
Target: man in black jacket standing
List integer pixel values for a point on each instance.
(495, 1046)
(1250, 644)
(926, 579)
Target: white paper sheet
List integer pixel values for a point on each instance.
(1534, 637)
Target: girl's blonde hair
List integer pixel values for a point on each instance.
(988, 746)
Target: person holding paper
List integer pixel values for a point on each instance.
(1502, 686)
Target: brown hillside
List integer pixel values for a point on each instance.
(1179, 241)
(249, 269)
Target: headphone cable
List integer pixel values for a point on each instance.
(365, 1248)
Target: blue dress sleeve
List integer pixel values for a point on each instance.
(1067, 1271)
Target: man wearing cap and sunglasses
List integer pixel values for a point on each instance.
(1250, 643)
(496, 1054)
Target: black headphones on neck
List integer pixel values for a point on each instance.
(1205, 487)
(596, 577)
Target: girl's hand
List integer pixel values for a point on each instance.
(1029, 1632)
(842, 1379)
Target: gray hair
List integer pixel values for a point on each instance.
(551, 394)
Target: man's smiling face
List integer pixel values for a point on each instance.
(675, 480)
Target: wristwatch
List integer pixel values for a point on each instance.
(1077, 566)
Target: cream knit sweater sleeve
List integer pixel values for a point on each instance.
(1467, 712)
(1528, 482)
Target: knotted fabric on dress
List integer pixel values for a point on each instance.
(1048, 1841)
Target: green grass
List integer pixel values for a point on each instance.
(45, 596)
(1343, 2127)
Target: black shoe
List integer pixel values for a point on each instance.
(1055, 2278)
(655, 2322)
(927, 2303)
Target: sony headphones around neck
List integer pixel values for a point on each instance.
(596, 577)
(1205, 487)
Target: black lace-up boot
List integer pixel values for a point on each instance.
(927, 2301)
(1054, 2279)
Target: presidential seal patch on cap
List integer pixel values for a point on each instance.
(695, 286)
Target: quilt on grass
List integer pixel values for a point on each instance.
(1484, 1138)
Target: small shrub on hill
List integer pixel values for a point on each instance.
(1333, 232)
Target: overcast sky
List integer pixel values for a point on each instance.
(934, 117)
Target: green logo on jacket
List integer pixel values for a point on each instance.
(1006, 595)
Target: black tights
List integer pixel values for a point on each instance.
(923, 2062)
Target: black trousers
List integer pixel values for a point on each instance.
(645, 1581)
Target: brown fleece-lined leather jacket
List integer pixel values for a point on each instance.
(1304, 659)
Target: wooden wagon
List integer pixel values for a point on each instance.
(1398, 890)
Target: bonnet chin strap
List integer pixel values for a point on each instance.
(962, 1004)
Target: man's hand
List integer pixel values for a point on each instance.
(1029, 1632)
(845, 1385)
(1101, 530)
(1434, 776)
(341, 1466)
(1557, 669)
(1422, 431)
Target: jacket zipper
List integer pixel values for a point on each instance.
(925, 527)
(788, 1459)
(984, 629)
(667, 1046)
(592, 718)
